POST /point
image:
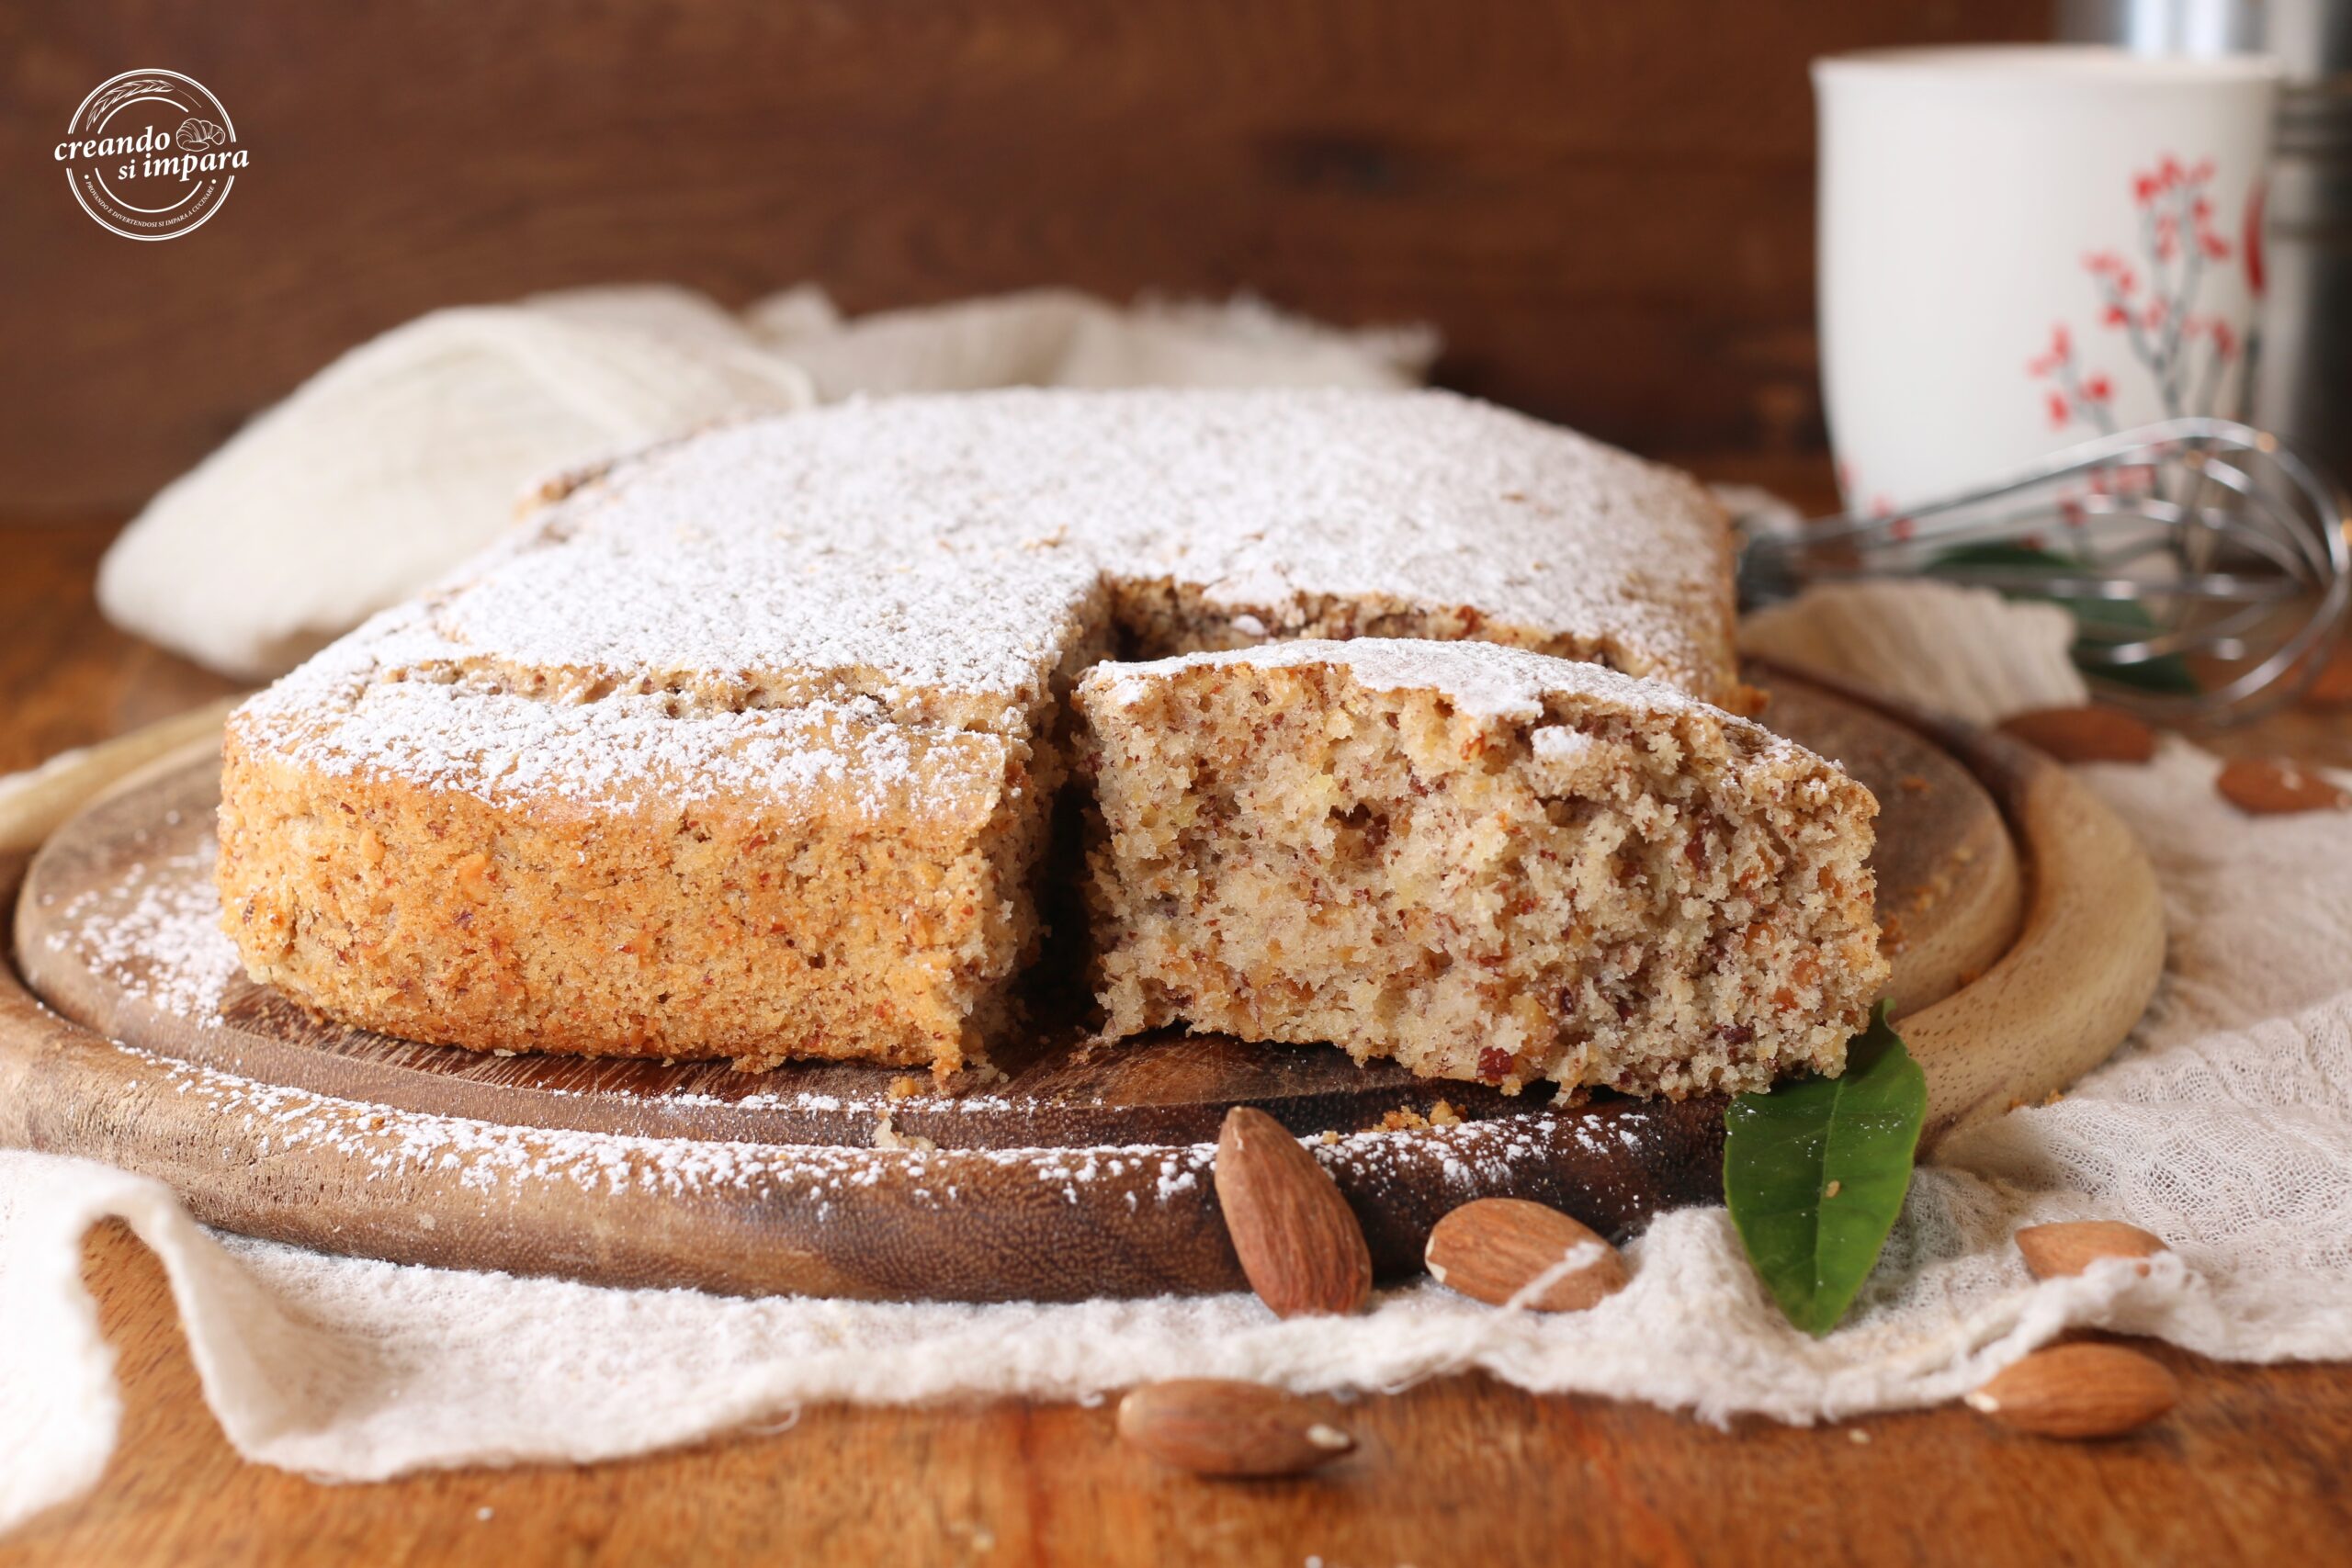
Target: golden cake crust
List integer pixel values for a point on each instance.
(865, 907)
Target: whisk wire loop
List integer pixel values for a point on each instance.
(2207, 563)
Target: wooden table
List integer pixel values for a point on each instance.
(2251, 1468)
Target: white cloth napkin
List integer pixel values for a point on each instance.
(2225, 1125)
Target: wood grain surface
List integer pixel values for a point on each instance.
(1606, 209)
(1081, 1174)
(2249, 1469)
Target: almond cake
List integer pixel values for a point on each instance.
(749, 746)
(1486, 863)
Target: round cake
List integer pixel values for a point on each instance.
(749, 746)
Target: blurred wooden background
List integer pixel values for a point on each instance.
(1606, 208)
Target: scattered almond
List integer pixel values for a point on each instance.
(2051, 1251)
(2084, 734)
(1219, 1426)
(1495, 1247)
(2264, 788)
(1299, 1243)
(2078, 1391)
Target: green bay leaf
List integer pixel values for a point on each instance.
(1814, 1173)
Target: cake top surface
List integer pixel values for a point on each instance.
(941, 560)
(636, 600)
(362, 706)
(921, 534)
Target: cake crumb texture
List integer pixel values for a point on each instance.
(1487, 864)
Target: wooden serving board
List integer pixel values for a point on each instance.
(1083, 1172)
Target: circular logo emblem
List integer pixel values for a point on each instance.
(151, 155)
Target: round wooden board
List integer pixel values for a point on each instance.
(1084, 1172)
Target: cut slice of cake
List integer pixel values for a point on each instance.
(1485, 862)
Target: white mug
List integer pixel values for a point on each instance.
(2023, 248)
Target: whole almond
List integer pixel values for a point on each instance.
(1298, 1241)
(2073, 1246)
(2078, 1391)
(2083, 734)
(1218, 1426)
(1493, 1248)
(2263, 788)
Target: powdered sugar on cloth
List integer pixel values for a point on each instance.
(2225, 1125)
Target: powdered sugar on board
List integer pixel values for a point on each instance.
(487, 1156)
(356, 1164)
(155, 933)
(1466, 1159)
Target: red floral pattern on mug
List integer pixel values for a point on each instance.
(2192, 359)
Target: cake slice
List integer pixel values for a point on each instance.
(1486, 863)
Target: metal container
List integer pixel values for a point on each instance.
(2304, 385)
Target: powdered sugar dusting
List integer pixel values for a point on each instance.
(155, 934)
(1483, 679)
(505, 748)
(1258, 497)
(689, 590)
(1558, 743)
(152, 931)
(1479, 678)
(491, 1157)
(899, 571)
(1466, 1159)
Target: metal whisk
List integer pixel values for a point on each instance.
(2207, 563)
